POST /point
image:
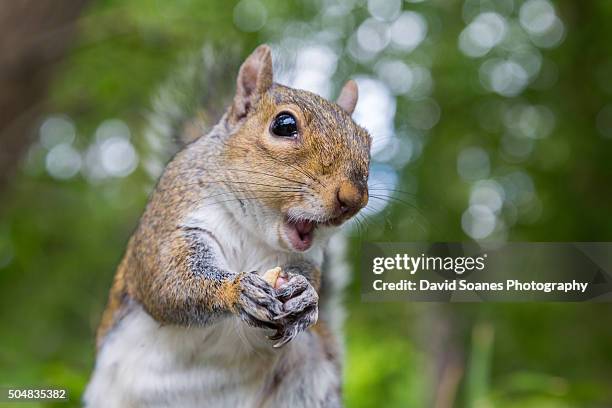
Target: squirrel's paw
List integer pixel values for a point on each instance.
(300, 308)
(258, 305)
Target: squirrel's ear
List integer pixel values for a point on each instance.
(348, 96)
(254, 79)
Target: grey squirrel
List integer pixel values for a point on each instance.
(199, 315)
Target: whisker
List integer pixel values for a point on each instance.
(224, 182)
(223, 171)
(240, 199)
(388, 198)
(392, 190)
(291, 165)
(249, 191)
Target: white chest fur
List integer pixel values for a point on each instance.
(143, 364)
(228, 364)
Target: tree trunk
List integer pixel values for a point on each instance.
(34, 35)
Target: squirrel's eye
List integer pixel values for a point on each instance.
(284, 125)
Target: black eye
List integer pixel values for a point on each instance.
(284, 125)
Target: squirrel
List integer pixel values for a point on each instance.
(199, 314)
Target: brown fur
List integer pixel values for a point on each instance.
(322, 152)
(331, 155)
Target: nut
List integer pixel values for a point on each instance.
(275, 277)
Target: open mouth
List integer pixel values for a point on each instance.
(300, 233)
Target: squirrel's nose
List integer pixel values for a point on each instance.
(351, 198)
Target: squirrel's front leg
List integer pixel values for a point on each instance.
(189, 284)
(300, 301)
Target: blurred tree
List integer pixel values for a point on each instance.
(34, 36)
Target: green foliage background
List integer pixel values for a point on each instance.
(60, 240)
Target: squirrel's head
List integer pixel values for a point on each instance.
(297, 163)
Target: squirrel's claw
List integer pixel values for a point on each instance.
(294, 327)
(296, 285)
(258, 305)
(300, 309)
(290, 309)
(298, 296)
(284, 341)
(276, 336)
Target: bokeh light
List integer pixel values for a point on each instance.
(408, 31)
(250, 15)
(56, 130)
(63, 161)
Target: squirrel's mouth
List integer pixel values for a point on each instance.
(300, 234)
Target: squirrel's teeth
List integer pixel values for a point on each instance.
(300, 234)
(304, 227)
